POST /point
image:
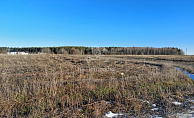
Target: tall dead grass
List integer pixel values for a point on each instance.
(53, 86)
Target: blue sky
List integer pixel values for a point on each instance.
(139, 23)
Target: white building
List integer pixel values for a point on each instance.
(22, 53)
(11, 53)
(19, 53)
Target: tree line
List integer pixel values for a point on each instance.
(80, 50)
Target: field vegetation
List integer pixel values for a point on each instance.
(51, 85)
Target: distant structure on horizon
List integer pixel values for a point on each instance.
(17, 53)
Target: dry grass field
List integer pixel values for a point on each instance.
(92, 85)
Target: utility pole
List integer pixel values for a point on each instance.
(186, 51)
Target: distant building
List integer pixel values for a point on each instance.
(22, 53)
(17, 53)
(11, 53)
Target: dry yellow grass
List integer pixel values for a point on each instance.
(54, 86)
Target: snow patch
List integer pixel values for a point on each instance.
(145, 101)
(155, 109)
(153, 105)
(177, 103)
(111, 115)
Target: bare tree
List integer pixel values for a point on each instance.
(46, 50)
(62, 51)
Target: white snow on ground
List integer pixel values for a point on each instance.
(156, 116)
(111, 115)
(182, 115)
(153, 105)
(155, 109)
(145, 101)
(177, 103)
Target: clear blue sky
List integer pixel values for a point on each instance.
(139, 23)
